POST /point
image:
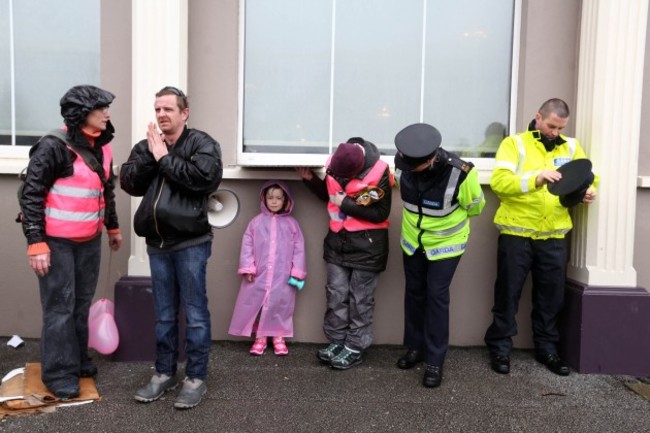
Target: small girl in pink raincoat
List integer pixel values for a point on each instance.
(272, 253)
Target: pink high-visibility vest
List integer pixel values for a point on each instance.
(74, 206)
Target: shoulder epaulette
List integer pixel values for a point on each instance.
(460, 164)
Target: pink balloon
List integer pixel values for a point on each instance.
(101, 306)
(102, 330)
(103, 335)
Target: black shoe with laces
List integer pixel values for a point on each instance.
(410, 359)
(554, 363)
(500, 363)
(432, 376)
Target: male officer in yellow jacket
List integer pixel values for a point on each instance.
(532, 224)
(439, 192)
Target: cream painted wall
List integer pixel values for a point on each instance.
(213, 84)
(642, 230)
(547, 69)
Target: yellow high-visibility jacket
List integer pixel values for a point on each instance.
(527, 210)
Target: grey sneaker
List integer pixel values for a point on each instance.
(156, 387)
(191, 394)
(328, 353)
(346, 359)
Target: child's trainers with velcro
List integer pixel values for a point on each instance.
(346, 358)
(328, 353)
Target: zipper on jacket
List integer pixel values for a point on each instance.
(420, 213)
(99, 211)
(155, 204)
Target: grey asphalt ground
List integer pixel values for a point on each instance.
(299, 394)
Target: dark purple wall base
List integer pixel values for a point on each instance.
(135, 320)
(606, 330)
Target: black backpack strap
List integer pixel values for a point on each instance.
(85, 154)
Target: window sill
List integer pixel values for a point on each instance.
(285, 173)
(13, 164)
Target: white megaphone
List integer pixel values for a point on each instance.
(223, 208)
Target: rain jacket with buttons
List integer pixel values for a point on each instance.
(272, 250)
(527, 210)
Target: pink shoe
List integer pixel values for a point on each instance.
(258, 347)
(279, 346)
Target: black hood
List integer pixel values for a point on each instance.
(81, 100)
(75, 106)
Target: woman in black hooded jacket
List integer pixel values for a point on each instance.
(65, 205)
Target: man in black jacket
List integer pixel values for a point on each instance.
(175, 171)
(357, 189)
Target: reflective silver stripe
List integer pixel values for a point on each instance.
(523, 182)
(334, 216)
(73, 191)
(531, 231)
(450, 231)
(397, 175)
(522, 154)
(507, 165)
(65, 215)
(451, 187)
(430, 212)
(475, 202)
(572, 146)
(449, 249)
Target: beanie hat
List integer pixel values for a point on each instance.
(348, 160)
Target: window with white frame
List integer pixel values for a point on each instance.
(317, 72)
(46, 47)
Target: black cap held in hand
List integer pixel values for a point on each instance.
(576, 179)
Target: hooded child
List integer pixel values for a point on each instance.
(272, 254)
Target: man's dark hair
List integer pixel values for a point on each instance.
(554, 105)
(181, 98)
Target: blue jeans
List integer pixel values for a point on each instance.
(179, 276)
(67, 291)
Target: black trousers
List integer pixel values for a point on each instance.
(426, 305)
(517, 257)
